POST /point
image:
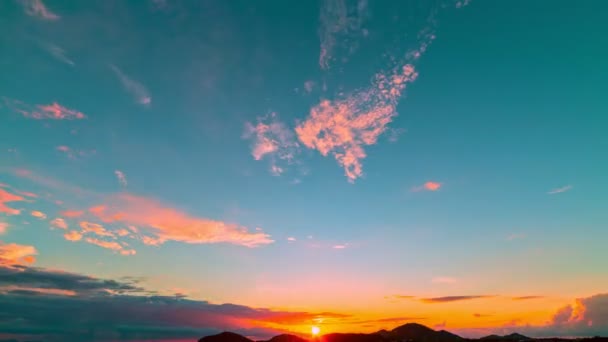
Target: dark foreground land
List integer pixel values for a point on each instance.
(410, 332)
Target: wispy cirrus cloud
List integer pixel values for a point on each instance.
(136, 89)
(449, 299)
(273, 140)
(37, 8)
(168, 224)
(340, 25)
(53, 111)
(122, 178)
(74, 153)
(527, 297)
(15, 254)
(58, 53)
(6, 197)
(560, 190)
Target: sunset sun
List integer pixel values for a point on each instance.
(315, 330)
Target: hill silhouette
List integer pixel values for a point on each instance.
(410, 332)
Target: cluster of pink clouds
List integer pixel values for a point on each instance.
(53, 111)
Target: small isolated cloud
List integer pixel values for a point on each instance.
(308, 86)
(560, 190)
(38, 214)
(71, 213)
(428, 186)
(478, 315)
(6, 197)
(53, 111)
(73, 236)
(73, 153)
(462, 3)
(59, 223)
(95, 228)
(3, 227)
(448, 299)
(273, 140)
(444, 280)
(342, 127)
(516, 236)
(136, 89)
(36, 8)
(166, 223)
(340, 246)
(291, 239)
(15, 254)
(58, 53)
(122, 178)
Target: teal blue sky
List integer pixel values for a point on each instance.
(485, 167)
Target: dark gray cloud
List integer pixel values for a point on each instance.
(51, 305)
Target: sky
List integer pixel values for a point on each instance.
(172, 169)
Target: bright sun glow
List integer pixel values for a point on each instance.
(315, 330)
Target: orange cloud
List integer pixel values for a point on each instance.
(6, 197)
(444, 280)
(14, 254)
(97, 229)
(71, 213)
(171, 224)
(343, 127)
(54, 111)
(432, 186)
(38, 214)
(59, 223)
(112, 245)
(73, 236)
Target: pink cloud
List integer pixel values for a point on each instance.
(122, 232)
(428, 186)
(3, 227)
(53, 111)
(59, 223)
(97, 229)
(171, 224)
(112, 245)
(15, 254)
(122, 178)
(72, 213)
(72, 153)
(291, 239)
(73, 236)
(38, 214)
(343, 127)
(342, 246)
(6, 197)
(273, 140)
(151, 241)
(36, 8)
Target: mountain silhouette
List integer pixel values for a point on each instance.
(410, 332)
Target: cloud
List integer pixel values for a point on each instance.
(59, 223)
(36, 8)
(343, 127)
(449, 299)
(273, 140)
(6, 197)
(41, 304)
(527, 297)
(38, 214)
(122, 179)
(95, 228)
(560, 190)
(444, 280)
(111, 245)
(136, 89)
(340, 246)
(291, 239)
(15, 254)
(308, 86)
(58, 53)
(71, 213)
(428, 186)
(53, 111)
(3, 227)
(339, 26)
(516, 236)
(73, 236)
(166, 223)
(72, 153)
